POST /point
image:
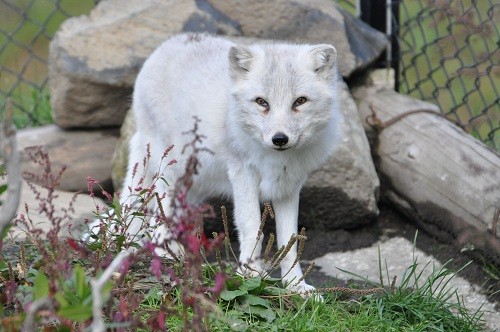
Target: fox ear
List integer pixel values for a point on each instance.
(240, 59)
(324, 59)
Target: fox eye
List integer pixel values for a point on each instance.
(262, 102)
(299, 101)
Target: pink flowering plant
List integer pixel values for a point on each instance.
(49, 283)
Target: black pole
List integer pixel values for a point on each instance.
(374, 13)
(396, 51)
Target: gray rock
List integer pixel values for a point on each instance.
(398, 255)
(343, 193)
(120, 155)
(83, 206)
(94, 59)
(84, 153)
(318, 21)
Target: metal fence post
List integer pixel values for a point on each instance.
(383, 15)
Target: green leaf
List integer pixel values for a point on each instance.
(40, 286)
(257, 310)
(251, 283)
(228, 295)
(76, 312)
(255, 300)
(80, 282)
(271, 281)
(61, 299)
(5, 231)
(234, 282)
(165, 181)
(120, 240)
(117, 206)
(262, 312)
(3, 188)
(275, 291)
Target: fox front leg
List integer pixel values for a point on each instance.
(245, 186)
(286, 211)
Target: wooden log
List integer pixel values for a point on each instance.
(433, 171)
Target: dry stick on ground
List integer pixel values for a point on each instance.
(97, 285)
(35, 307)
(10, 155)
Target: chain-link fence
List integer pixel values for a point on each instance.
(446, 52)
(26, 27)
(450, 55)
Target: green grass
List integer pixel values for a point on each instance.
(415, 305)
(30, 108)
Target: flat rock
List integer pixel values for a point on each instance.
(398, 254)
(343, 193)
(94, 59)
(83, 208)
(83, 153)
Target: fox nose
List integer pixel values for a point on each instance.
(280, 139)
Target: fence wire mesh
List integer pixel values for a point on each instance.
(449, 55)
(26, 28)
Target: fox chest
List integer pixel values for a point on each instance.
(279, 180)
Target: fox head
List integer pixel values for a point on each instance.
(283, 95)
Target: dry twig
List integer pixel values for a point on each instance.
(10, 155)
(97, 285)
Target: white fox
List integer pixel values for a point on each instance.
(269, 115)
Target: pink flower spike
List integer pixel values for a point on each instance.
(220, 281)
(193, 243)
(156, 267)
(151, 247)
(160, 320)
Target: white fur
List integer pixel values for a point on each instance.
(218, 81)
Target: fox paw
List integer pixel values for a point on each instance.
(251, 270)
(305, 290)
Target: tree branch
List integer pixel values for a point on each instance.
(97, 285)
(10, 155)
(34, 308)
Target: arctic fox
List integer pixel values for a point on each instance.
(269, 115)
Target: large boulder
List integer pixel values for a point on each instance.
(316, 21)
(94, 59)
(343, 193)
